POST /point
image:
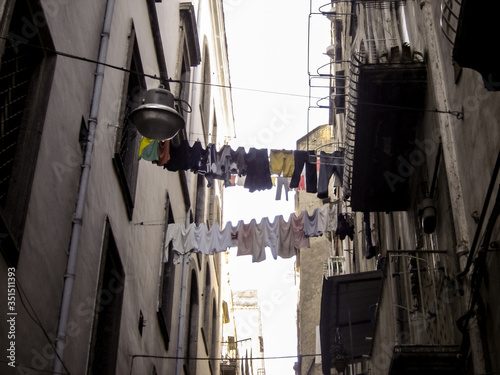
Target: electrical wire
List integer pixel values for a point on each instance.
(152, 76)
(223, 358)
(36, 320)
(458, 114)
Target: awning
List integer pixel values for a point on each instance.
(349, 302)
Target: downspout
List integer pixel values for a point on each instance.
(69, 276)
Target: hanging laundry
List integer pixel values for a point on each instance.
(332, 220)
(238, 164)
(196, 155)
(215, 240)
(374, 228)
(282, 184)
(284, 238)
(200, 239)
(179, 157)
(306, 158)
(163, 153)
(251, 241)
(330, 164)
(183, 241)
(272, 234)
(223, 165)
(209, 165)
(345, 226)
(240, 180)
(148, 149)
(286, 248)
(281, 162)
(315, 224)
(258, 173)
(232, 180)
(323, 218)
(302, 183)
(299, 238)
(371, 250)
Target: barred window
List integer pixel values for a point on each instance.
(127, 141)
(26, 71)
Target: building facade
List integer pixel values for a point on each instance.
(413, 105)
(91, 285)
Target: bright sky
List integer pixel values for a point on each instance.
(268, 52)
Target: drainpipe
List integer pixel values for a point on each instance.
(182, 308)
(69, 276)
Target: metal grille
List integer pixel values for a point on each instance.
(421, 304)
(15, 74)
(128, 142)
(334, 266)
(450, 11)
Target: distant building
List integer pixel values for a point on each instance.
(250, 341)
(82, 219)
(413, 105)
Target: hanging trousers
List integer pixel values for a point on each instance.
(301, 158)
(328, 166)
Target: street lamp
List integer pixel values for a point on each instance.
(156, 117)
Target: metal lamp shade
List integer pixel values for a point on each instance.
(156, 118)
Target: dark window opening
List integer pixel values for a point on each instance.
(106, 329)
(206, 94)
(199, 215)
(127, 144)
(215, 337)
(25, 79)
(192, 326)
(205, 328)
(164, 312)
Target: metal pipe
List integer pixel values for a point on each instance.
(69, 276)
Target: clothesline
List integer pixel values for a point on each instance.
(283, 237)
(297, 169)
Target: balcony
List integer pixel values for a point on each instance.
(384, 133)
(386, 96)
(417, 303)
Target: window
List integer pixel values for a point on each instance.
(215, 338)
(199, 215)
(192, 326)
(106, 326)
(205, 329)
(190, 50)
(206, 94)
(167, 277)
(127, 141)
(26, 72)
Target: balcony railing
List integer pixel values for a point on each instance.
(386, 92)
(421, 291)
(334, 266)
(450, 10)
